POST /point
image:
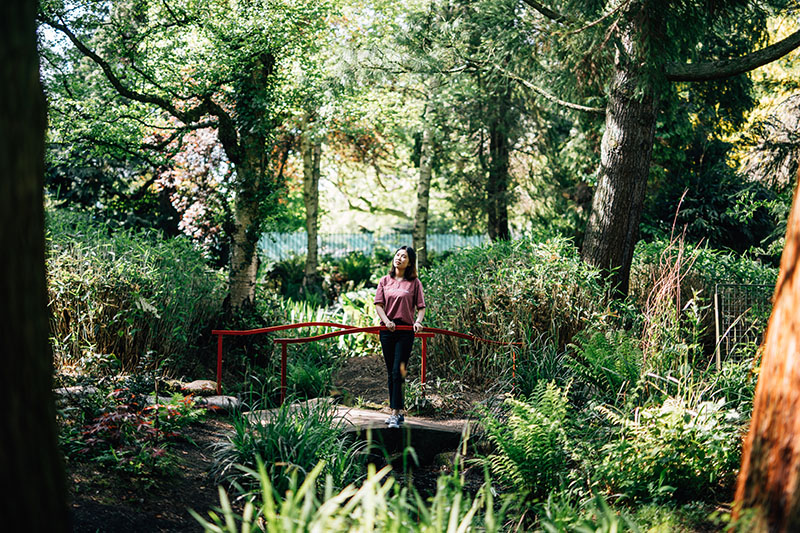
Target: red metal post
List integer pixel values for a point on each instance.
(283, 372)
(219, 364)
(424, 363)
(424, 360)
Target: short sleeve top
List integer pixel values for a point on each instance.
(400, 298)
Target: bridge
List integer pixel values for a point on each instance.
(345, 329)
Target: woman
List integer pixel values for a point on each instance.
(399, 302)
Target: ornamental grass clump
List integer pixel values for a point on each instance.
(290, 440)
(125, 294)
(376, 504)
(508, 291)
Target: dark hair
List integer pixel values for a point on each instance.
(410, 274)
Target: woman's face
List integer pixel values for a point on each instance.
(400, 260)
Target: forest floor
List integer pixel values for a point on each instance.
(107, 501)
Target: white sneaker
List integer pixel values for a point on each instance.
(400, 419)
(394, 422)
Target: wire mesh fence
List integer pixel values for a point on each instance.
(276, 246)
(741, 313)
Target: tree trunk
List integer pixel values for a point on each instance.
(312, 152)
(420, 233)
(497, 184)
(626, 150)
(244, 253)
(248, 150)
(30, 462)
(768, 479)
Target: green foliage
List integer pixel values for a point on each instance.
(124, 297)
(348, 273)
(290, 440)
(673, 450)
(607, 363)
(539, 359)
(508, 291)
(708, 267)
(531, 441)
(377, 505)
(125, 431)
(560, 514)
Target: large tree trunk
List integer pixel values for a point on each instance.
(30, 462)
(420, 233)
(312, 152)
(626, 150)
(497, 184)
(768, 479)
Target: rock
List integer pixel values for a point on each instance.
(224, 404)
(74, 395)
(172, 385)
(200, 387)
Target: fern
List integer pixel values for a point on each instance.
(609, 363)
(531, 442)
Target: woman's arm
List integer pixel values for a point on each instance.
(385, 319)
(418, 321)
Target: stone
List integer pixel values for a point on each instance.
(200, 387)
(73, 395)
(225, 404)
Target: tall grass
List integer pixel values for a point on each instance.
(125, 294)
(289, 441)
(378, 504)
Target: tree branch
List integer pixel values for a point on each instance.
(547, 12)
(545, 94)
(726, 68)
(227, 130)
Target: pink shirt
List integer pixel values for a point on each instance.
(400, 298)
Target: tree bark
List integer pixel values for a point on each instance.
(312, 152)
(30, 462)
(626, 150)
(770, 472)
(497, 184)
(420, 233)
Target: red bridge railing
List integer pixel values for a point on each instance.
(425, 334)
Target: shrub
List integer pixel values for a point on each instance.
(692, 272)
(125, 431)
(671, 450)
(507, 291)
(126, 294)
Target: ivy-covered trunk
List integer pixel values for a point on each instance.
(626, 151)
(250, 152)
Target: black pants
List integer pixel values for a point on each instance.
(396, 346)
